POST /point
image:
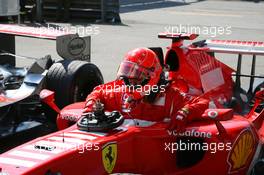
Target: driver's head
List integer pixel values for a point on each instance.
(140, 66)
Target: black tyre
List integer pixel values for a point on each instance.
(72, 81)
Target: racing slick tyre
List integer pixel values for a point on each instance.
(72, 81)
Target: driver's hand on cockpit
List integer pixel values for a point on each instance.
(88, 106)
(179, 121)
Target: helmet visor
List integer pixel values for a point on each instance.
(132, 70)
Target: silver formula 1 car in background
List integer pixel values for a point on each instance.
(22, 114)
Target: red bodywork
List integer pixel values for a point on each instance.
(233, 141)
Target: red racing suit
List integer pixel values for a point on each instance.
(166, 104)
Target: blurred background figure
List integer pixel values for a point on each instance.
(22, 6)
(63, 10)
(9, 8)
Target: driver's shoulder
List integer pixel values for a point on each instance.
(110, 85)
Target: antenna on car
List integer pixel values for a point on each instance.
(5, 53)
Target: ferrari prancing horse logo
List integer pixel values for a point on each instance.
(109, 156)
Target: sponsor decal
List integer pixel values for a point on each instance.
(242, 151)
(109, 156)
(190, 133)
(70, 116)
(241, 43)
(76, 46)
(2, 99)
(212, 114)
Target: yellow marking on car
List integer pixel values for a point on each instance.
(109, 157)
(242, 150)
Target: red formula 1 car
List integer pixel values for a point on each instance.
(228, 139)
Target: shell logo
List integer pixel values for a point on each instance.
(242, 150)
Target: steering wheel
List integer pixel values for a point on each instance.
(99, 120)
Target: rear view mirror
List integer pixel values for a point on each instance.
(48, 97)
(218, 115)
